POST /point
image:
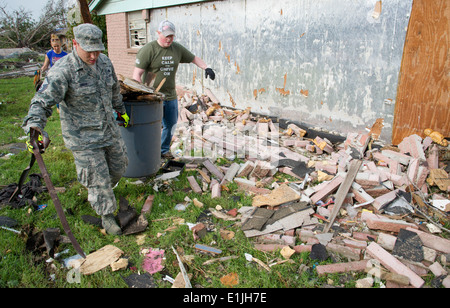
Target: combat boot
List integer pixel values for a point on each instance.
(110, 225)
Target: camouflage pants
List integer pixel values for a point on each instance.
(99, 170)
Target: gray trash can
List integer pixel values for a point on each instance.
(143, 137)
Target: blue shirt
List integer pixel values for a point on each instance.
(53, 56)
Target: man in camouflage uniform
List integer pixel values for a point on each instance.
(85, 85)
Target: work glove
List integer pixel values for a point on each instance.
(123, 119)
(209, 72)
(42, 140)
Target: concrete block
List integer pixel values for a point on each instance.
(304, 235)
(429, 254)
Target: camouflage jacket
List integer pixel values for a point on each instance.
(86, 97)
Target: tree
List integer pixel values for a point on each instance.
(18, 29)
(98, 20)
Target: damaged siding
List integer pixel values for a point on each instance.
(325, 64)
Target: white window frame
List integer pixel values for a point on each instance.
(137, 29)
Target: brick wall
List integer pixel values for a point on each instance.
(121, 56)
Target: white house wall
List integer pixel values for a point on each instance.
(336, 52)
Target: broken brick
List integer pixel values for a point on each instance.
(394, 265)
(353, 266)
(194, 185)
(328, 189)
(246, 169)
(433, 241)
(213, 169)
(388, 224)
(348, 252)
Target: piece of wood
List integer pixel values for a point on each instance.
(84, 10)
(280, 195)
(133, 86)
(439, 178)
(183, 270)
(100, 259)
(417, 106)
(342, 191)
(160, 85)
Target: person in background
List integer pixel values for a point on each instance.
(157, 60)
(53, 55)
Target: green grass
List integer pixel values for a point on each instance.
(19, 267)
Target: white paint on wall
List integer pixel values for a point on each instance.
(347, 60)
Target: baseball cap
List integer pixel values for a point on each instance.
(89, 37)
(166, 28)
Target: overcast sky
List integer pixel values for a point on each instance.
(34, 6)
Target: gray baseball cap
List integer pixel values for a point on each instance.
(89, 37)
(166, 28)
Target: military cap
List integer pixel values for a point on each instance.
(89, 37)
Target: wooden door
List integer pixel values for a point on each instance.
(423, 94)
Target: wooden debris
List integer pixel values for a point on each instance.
(343, 190)
(100, 259)
(278, 196)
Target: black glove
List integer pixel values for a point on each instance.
(209, 72)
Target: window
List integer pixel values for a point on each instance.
(137, 27)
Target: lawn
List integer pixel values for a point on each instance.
(22, 267)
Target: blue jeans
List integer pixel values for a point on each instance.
(169, 121)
